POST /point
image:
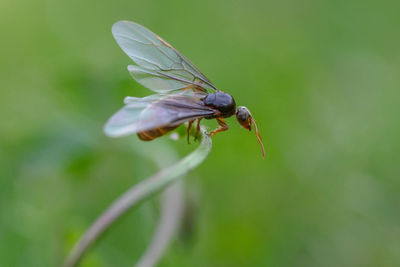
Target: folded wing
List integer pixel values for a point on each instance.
(142, 114)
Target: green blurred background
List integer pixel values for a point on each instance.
(320, 77)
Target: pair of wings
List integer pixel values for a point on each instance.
(161, 68)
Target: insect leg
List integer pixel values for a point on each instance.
(188, 130)
(196, 135)
(223, 127)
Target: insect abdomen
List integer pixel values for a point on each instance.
(154, 133)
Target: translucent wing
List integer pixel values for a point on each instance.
(142, 114)
(160, 67)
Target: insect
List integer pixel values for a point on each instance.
(184, 94)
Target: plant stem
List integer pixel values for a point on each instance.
(138, 193)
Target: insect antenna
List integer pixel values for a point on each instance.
(258, 136)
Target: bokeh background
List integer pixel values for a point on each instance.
(321, 78)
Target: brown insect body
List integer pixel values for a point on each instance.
(154, 133)
(184, 93)
(223, 104)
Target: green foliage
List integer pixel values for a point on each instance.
(320, 77)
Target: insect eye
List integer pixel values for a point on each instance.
(242, 114)
(243, 117)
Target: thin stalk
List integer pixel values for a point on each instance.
(171, 216)
(138, 193)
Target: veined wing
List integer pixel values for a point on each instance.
(142, 114)
(158, 63)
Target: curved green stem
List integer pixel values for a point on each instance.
(136, 195)
(172, 209)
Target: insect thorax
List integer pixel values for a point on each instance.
(221, 101)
